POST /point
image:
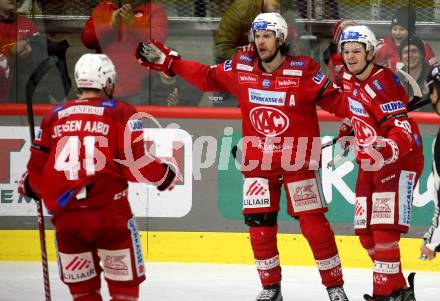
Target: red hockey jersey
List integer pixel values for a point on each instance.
(74, 157)
(377, 108)
(279, 119)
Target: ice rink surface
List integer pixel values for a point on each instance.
(206, 282)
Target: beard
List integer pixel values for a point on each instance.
(270, 57)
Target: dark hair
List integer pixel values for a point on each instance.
(284, 49)
(413, 40)
(406, 17)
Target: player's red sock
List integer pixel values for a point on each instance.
(264, 245)
(318, 232)
(387, 276)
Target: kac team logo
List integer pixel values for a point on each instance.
(365, 133)
(269, 121)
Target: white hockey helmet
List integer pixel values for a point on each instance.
(358, 33)
(94, 71)
(269, 21)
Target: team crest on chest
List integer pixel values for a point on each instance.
(269, 121)
(365, 134)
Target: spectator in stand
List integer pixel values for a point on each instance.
(173, 91)
(331, 57)
(233, 32)
(15, 32)
(114, 28)
(415, 68)
(403, 26)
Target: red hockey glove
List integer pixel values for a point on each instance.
(24, 188)
(345, 134)
(388, 149)
(155, 55)
(170, 178)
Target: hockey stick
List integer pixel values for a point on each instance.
(417, 92)
(31, 85)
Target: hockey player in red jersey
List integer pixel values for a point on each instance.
(278, 95)
(75, 169)
(390, 153)
(331, 57)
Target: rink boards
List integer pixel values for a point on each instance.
(201, 220)
(213, 247)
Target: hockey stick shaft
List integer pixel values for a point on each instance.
(40, 218)
(30, 89)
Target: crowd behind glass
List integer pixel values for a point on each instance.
(28, 41)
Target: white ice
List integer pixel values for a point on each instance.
(205, 282)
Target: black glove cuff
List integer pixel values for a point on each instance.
(169, 178)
